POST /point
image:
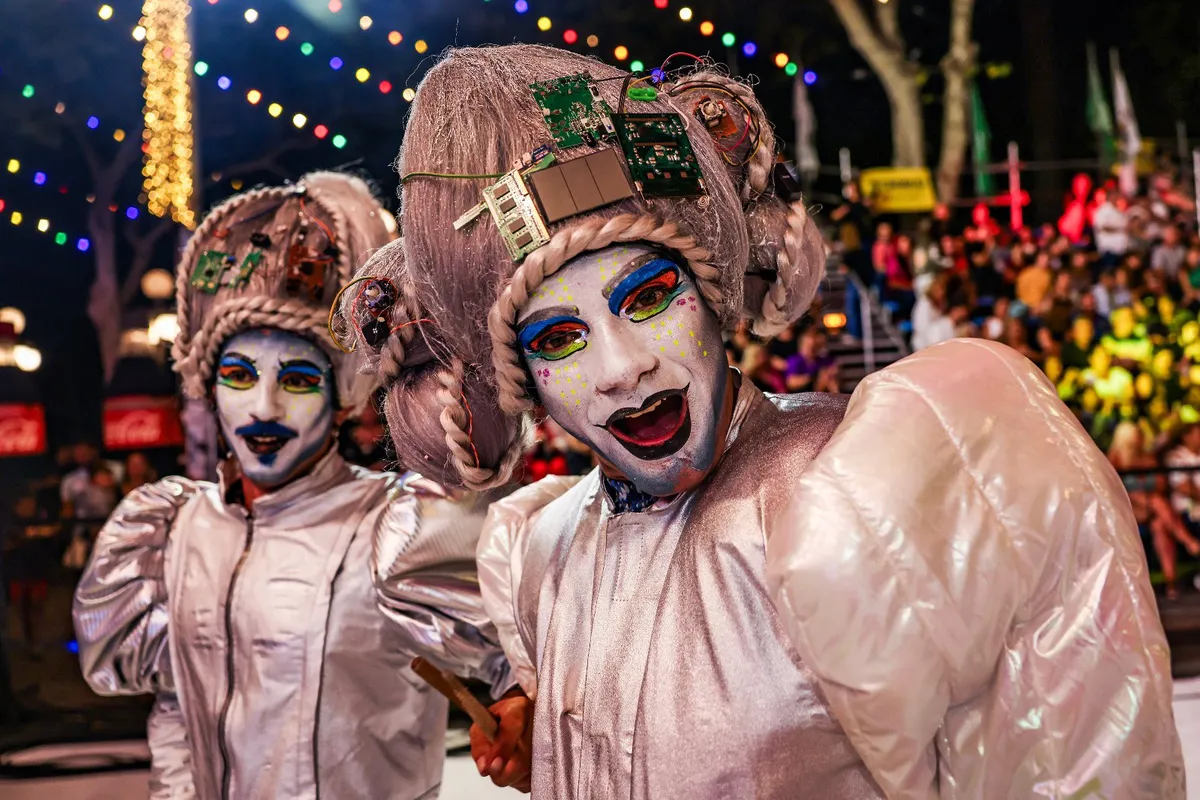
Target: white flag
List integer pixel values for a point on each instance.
(807, 161)
(1127, 127)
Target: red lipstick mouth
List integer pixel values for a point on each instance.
(658, 428)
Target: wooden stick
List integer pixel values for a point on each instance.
(450, 687)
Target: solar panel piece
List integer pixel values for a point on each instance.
(581, 185)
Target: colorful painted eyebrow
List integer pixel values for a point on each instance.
(639, 278)
(239, 360)
(301, 366)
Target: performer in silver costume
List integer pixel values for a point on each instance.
(935, 590)
(251, 608)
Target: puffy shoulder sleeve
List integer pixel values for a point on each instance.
(501, 555)
(423, 562)
(120, 607)
(961, 569)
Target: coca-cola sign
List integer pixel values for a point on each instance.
(140, 421)
(22, 429)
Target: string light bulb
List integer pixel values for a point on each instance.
(707, 28)
(274, 109)
(420, 46)
(299, 120)
(365, 22)
(544, 23)
(593, 41)
(139, 33)
(395, 38)
(363, 74)
(685, 14)
(169, 141)
(282, 33)
(781, 60)
(251, 15)
(253, 96)
(105, 12)
(408, 94)
(118, 135)
(621, 52)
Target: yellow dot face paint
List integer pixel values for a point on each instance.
(615, 346)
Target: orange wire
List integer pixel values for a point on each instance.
(328, 233)
(470, 427)
(410, 322)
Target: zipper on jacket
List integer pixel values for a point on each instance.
(222, 738)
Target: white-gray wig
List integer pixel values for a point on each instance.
(458, 403)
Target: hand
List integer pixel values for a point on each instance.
(507, 760)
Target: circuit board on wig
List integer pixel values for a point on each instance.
(659, 155)
(516, 214)
(574, 111)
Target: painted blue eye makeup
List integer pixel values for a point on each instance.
(647, 291)
(300, 377)
(236, 371)
(554, 338)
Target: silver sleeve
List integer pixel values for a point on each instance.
(426, 583)
(120, 608)
(170, 756)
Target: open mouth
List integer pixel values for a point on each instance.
(657, 429)
(266, 445)
(265, 439)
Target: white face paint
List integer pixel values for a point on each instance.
(627, 357)
(274, 397)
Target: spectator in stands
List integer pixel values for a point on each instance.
(853, 219)
(1016, 337)
(31, 550)
(1189, 279)
(811, 368)
(1102, 292)
(138, 472)
(1112, 229)
(931, 321)
(884, 260)
(995, 323)
(1034, 281)
(1156, 519)
(1185, 486)
(1122, 292)
(1168, 256)
(756, 366)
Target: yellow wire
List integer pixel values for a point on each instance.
(333, 309)
(451, 175)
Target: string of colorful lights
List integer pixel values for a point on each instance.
(82, 243)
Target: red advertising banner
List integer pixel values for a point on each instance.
(135, 422)
(22, 429)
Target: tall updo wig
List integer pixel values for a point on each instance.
(337, 216)
(458, 403)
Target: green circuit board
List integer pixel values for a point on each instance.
(659, 155)
(574, 110)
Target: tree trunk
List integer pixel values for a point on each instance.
(884, 51)
(908, 124)
(957, 66)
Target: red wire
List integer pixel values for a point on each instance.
(414, 322)
(470, 427)
(328, 233)
(663, 68)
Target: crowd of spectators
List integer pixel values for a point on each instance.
(1105, 300)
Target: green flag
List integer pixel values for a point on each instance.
(981, 145)
(1098, 115)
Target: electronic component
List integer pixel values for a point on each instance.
(659, 155)
(305, 273)
(716, 117)
(574, 111)
(579, 185)
(249, 263)
(260, 240)
(516, 214)
(787, 188)
(209, 268)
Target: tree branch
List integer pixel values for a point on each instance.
(268, 162)
(143, 253)
(887, 15)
